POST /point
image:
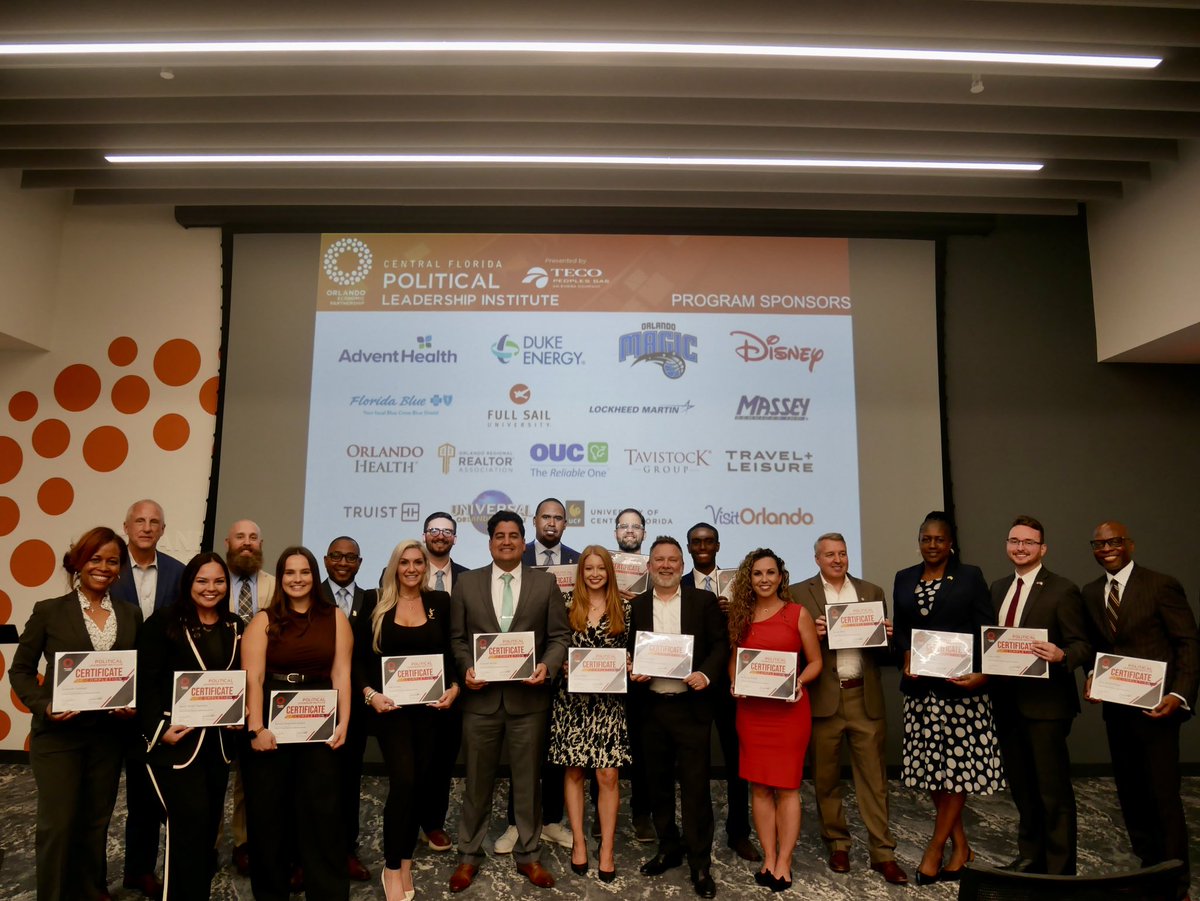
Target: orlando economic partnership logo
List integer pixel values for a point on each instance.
(659, 343)
(535, 350)
(346, 263)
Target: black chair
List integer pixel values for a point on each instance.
(1157, 883)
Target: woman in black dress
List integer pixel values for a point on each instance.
(406, 620)
(950, 746)
(189, 766)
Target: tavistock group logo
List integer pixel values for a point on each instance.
(667, 462)
(347, 261)
(661, 344)
(750, 348)
(484, 506)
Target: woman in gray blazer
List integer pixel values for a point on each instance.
(76, 756)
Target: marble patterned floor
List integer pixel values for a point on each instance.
(991, 826)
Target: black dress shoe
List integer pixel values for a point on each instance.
(1021, 865)
(702, 882)
(660, 863)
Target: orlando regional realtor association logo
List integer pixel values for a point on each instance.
(347, 261)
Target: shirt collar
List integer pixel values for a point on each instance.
(85, 604)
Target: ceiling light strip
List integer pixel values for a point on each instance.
(594, 47)
(203, 159)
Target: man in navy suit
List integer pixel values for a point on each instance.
(150, 582)
(547, 549)
(1136, 612)
(342, 562)
(1034, 716)
(440, 533)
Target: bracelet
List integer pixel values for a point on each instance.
(370, 693)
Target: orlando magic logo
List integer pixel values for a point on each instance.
(659, 343)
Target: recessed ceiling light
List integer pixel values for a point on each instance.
(730, 162)
(781, 51)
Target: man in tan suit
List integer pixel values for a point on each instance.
(847, 705)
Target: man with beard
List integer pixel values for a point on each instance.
(676, 715)
(250, 590)
(441, 532)
(630, 531)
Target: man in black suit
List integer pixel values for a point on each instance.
(505, 596)
(1136, 612)
(441, 532)
(547, 549)
(342, 562)
(1034, 716)
(676, 715)
(150, 582)
(703, 542)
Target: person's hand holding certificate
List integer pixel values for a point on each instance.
(856, 625)
(303, 716)
(1134, 681)
(596, 670)
(765, 674)
(209, 698)
(1008, 651)
(504, 656)
(944, 655)
(663, 654)
(94, 680)
(414, 678)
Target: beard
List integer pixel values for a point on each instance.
(245, 562)
(629, 545)
(667, 583)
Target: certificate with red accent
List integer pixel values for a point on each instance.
(663, 654)
(943, 655)
(596, 670)
(1008, 651)
(564, 574)
(94, 680)
(1133, 681)
(303, 716)
(209, 698)
(633, 572)
(765, 674)
(504, 656)
(856, 625)
(414, 678)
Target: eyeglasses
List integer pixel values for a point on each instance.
(447, 533)
(1101, 543)
(631, 528)
(338, 557)
(1024, 542)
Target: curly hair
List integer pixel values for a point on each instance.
(742, 597)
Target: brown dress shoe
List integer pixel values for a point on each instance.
(891, 872)
(149, 885)
(355, 868)
(438, 840)
(744, 849)
(463, 877)
(536, 873)
(839, 861)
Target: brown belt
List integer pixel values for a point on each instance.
(852, 683)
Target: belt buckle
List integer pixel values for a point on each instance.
(292, 678)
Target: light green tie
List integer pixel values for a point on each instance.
(506, 603)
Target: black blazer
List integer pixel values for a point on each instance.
(159, 658)
(1053, 603)
(363, 599)
(701, 617)
(569, 555)
(166, 589)
(1155, 621)
(57, 625)
(366, 670)
(963, 604)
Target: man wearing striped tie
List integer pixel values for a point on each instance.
(1136, 612)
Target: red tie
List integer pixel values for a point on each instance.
(1010, 619)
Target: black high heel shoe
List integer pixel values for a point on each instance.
(925, 879)
(579, 869)
(764, 878)
(606, 875)
(955, 875)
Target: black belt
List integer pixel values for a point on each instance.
(668, 695)
(852, 683)
(294, 678)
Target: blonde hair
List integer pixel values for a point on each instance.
(389, 592)
(616, 607)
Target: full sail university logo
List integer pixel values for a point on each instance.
(347, 261)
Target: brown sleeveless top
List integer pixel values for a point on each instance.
(306, 645)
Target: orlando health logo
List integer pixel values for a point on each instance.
(659, 343)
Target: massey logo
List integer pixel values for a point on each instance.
(772, 408)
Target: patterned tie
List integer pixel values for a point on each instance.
(245, 602)
(441, 581)
(1113, 606)
(1010, 618)
(506, 603)
(708, 583)
(343, 600)
(549, 555)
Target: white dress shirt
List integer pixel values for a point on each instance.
(849, 660)
(145, 581)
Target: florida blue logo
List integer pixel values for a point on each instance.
(505, 349)
(661, 344)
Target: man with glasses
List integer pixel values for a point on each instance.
(547, 549)
(1033, 716)
(1136, 612)
(630, 531)
(440, 534)
(342, 562)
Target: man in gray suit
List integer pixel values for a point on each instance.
(505, 597)
(1033, 716)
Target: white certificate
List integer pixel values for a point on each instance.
(596, 670)
(856, 625)
(1128, 680)
(303, 716)
(633, 572)
(565, 576)
(722, 581)
(1008, 651)
(946, 655)
(414, 678)
(504, 656)
(209, 698)
(663, 654)
(765, 674)
(94, 680)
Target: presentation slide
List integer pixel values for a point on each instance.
(697, 378)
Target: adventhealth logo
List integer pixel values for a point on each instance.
(505, 349)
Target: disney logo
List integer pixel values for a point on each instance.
(755, 349)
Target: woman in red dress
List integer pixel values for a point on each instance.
(773, 733)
